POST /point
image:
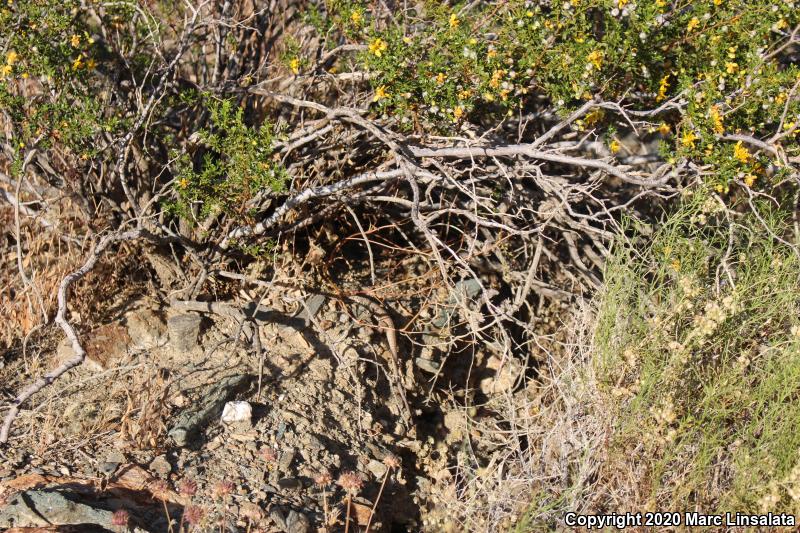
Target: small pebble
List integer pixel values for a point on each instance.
(377, 468)
(108, 468)
(161, 466)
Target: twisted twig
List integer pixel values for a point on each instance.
(69, 331)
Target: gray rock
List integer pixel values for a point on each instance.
(465, 290)
(310, 308)
(285, 462)
(184, 330)
(315, 444)
(291, 522)
(161, 466)
(115, 456)
(277, 516)
(146, 329)
(108, 467)
(193, 419)
(376, 468)
(40, 508)
(297, 523)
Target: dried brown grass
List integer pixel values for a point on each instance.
(46, 260)
(538, 454)
(143, 423)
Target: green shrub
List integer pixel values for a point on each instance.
(237, 162)
(442, 62)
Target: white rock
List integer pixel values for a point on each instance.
(377, 468)
(237, 413)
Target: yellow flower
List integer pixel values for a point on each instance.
(717, 2)
(622, 3)
(749, 180)
(378, 46)
(440, 78)
(294, 64)
(596, 58)
(497, 75)
(731, 67)
(458, 112)
(695, 22)
(78, 63)
(356, 17)
(662, 88)
(11, 57)
(75, 40)
(24, 75)
(716, 120)
(688, 139)
(614, 146)
(781, 98)
(454, 22)
(492, 53)
(183, 183)
(594, 116)
(463, 95)
(380, 93)
(91, 64)
(740, 153)
(5, 70)
(664, 128)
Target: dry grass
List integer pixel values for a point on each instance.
(543, 442)
(46, 259)
(143, 424)
(676, 389)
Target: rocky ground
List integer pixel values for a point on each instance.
(218, 416)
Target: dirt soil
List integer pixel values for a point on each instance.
(336, 425)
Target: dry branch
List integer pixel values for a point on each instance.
(69, 331)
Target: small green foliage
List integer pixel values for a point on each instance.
(46, 42)
(236, 162)
(264, 250)
(437, 65)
